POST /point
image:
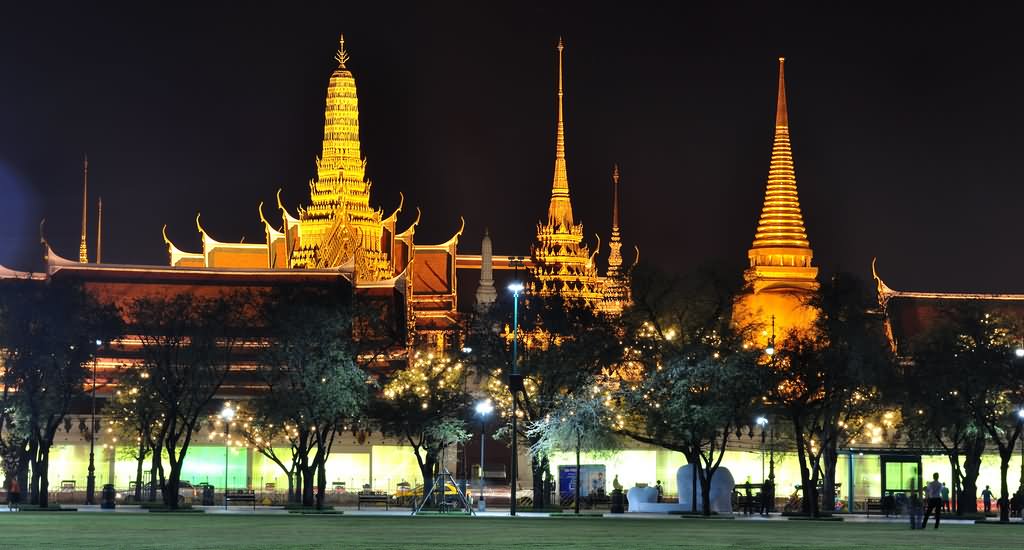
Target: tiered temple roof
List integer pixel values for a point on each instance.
(339, 229)
(561, 262)
(616, 291)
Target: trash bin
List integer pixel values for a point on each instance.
(207, 495)
(618, 502)
(107, 497)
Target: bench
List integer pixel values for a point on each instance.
(240, 496)
(373, 497)
(873, 505)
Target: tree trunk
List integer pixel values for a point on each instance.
(539, 467)
(805, 475)
(576, 497)
(139, 461)
(321, 482)
(705, 489)
(156, 473)
(828, 489)
(33, 487)
(1005, 454)
(44, 480)
(307, 486)
(972, 468)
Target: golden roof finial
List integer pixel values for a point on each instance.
(83, 248)
(781, 113)
(615, 197)
(342, 55)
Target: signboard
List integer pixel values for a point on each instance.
(593, 480)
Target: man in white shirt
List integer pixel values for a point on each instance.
(933, 492)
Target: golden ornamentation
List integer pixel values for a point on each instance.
(561, 263)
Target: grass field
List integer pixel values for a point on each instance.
(80, 530)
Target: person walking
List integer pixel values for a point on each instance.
(914, 506)
(933, 492)
(945, 497)
(13, 494)
(986, 498)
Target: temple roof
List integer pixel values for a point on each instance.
(909, 314)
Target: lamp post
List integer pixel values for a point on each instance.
(763, 423)
(483, 409)
(515, 384)
(227, 414)
(1020, 418)
(770, 350)
(90, 479)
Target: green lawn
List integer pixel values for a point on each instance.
(91, 530)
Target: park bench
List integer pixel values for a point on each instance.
(241, 495)
(373, 497)
(873, 505)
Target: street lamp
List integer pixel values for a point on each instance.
(90, 480)
(763, 423)
(515, 384)
(483, 409)
(227, 414)
(770, 350)
(1020, 416)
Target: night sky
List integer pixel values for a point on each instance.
(907, 126)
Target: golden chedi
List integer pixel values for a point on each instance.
(780, 279)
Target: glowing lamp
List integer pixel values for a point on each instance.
(1019, 352)
(770, 350)
(762, 421)
(484, 408)
(227, 413)
(1020, 414)
(515, 286)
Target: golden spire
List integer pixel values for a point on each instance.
(781, 223)
(562, 263)
(615, 198)
(83, 249)
(615, 243)
(99, 232)
(780, 257)
(560, 209)
(342, 56)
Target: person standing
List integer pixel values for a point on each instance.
(986, 498)
(914, 506)
(933, 492)
(945, 497)
(13, 494)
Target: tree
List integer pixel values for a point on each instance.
(692, 403)
(188, 345)
(314, 385)
(968, 357)
(426, 404)
(563, 343)
(577, 422)
(48, 337)
(825, 381)
(690, 379)
(975, 345)
(135, 413)
(934, 390)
